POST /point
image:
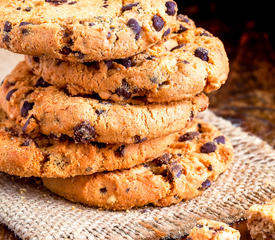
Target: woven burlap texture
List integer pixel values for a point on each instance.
(34, 213)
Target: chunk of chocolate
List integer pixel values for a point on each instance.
(171, 8)
(163, 160)
(202, 53)
(124, 90)
(120, 151)
(208, 147)
(42, 83)
(134, 25)
(10, 93)
(206, 184)
(138, 139)
(7, 26)
(219, 140)
(188, 136)
(158, 23)
(129, 6)
(84, 132)
(27, 106)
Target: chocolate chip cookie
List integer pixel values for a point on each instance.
(183, 171)
(46, 156)
(189, 62)
(261, 221)
(84, 30)
(39, 107)
(213, 230)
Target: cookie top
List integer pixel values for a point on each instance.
(189, 62)
(213, 230)
(46, 156)
(261, 220)
(39, 107)
(84, 30)
(183, 171)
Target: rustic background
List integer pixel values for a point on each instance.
(248, 98)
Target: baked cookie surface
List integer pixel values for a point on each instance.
(183, 171)
(261, 221)
(46, 156)
(84, 30)
(187, 63)
(39, 107)
(213, 230)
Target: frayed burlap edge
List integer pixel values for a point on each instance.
(33, 213)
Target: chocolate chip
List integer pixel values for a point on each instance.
(167, 32)
(210, 168)
(158, 23)
(8, 97)
(28, 9)
(204, 33)
(56, 2)
(99, 111)
(66, 51)
(24, 24)
(72, 2)
(138, 139)
(202, 53)
(177, 47)
(219, 140)
(25, 31)
(91, 24)
(191, 116)
(182, 29)
(103, 190)
(174, 171)
(27, 106)
(109, 64)
(163, 160)
(185, 62)
(208, 147)
(84, 132)
(99, 145)
(19, 8)
(124, 90)
(126, 62)
(108, 35)
(188, 136)
(120, 151)
(24, 128)
(206, 184)
(150, 57)
(7, 26)
(171, 8)
(183, 18)
(42, 83)
(6, 38)
(26, 143)
(105, 5)
(92, 64)
(199, 225)
(129, 6)
(88, 169)
(127, 190)
(200, 128)
(134, 25)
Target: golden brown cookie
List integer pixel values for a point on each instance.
(213, 230)
(46, 156)
(39, 107)
(183, 171)
(84, 30)
(189, 62)
(261, 221)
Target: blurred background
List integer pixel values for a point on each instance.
(248, 97)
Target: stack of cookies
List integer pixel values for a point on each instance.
(104, 106)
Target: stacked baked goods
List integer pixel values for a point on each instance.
(104, 106)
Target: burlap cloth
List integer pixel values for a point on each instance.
(33, 213)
